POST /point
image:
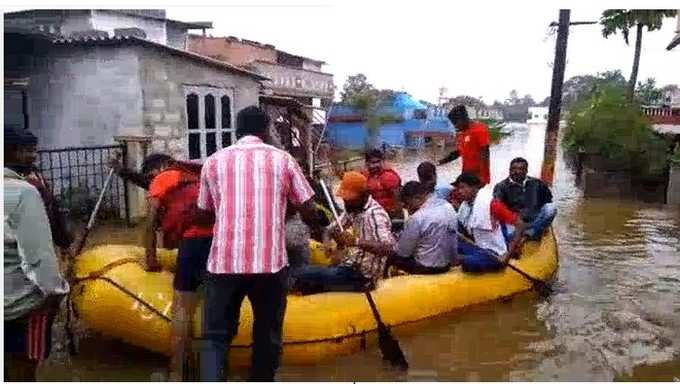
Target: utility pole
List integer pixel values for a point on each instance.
(552, 130)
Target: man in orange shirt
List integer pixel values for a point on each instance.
(173, 191)
(472, 144)
(384, 183)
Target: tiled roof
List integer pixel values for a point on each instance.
(93, 40)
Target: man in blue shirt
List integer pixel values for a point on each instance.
(428, 243)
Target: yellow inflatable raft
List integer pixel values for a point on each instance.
(116, 297)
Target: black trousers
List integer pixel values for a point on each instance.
(224, 294)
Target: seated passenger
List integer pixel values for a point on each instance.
(427, 175)
(427, 244)
(383, 183)
(357, 269)
(483, 245)
(529, 197)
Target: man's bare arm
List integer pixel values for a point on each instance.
(449, 158)
(151, 260)
(309, 214)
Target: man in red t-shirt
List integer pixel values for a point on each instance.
(173, 191)
(472, 144)
(384, 183)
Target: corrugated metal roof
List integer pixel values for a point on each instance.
(137, 40)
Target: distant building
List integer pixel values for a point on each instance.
(406, 123)
(538, 115)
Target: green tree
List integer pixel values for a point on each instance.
(582, 86)
(612, 129)
(528, 100)
(466, 100)
(648, 94)
(513, 99)
(362, 95)
(356, 86)
(623, 20)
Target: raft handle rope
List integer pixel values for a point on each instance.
(99, 275)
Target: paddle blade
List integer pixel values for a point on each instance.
(391, 350)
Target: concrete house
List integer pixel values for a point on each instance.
(80, 78)
(296, 96)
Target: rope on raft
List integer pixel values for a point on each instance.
(99, 275)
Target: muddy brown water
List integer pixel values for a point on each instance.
(615, 313)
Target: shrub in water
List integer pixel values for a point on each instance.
(615, 131)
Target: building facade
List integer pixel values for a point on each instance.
(89, 87)
(296, 96)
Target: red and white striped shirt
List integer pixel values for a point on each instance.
(248, 186)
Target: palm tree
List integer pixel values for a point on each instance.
(623, 20)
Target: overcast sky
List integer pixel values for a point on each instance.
(419, 46)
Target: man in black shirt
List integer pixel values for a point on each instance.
(529, 197)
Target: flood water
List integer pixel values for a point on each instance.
(615, 313)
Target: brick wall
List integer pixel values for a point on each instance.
(230, 50)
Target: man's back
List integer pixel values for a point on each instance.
(430, 235)
(470, 143)
(31, 268)
(248, 185)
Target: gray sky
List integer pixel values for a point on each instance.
(480, 50)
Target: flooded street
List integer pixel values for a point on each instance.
(615, 313)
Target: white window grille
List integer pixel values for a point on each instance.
(210, 120)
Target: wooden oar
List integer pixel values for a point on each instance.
(540, 285)
(389, 346)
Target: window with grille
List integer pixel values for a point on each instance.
(209, 120)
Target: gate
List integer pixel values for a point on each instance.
(77, 175)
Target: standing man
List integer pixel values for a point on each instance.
(25, 150)
(247, 187)
(34, 286)
(383, 183)
(172, 208)
(472, 144)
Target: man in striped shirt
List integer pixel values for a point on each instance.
(358, 269)
(247, 187)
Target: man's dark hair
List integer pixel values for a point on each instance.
(155, 161)
(427, 173)
(16, 136)
(375, 154)
(459, 112)
(412, 189)
(251, 121)
(469, 179)
(519, 160)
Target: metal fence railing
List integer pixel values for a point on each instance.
(76, 177)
